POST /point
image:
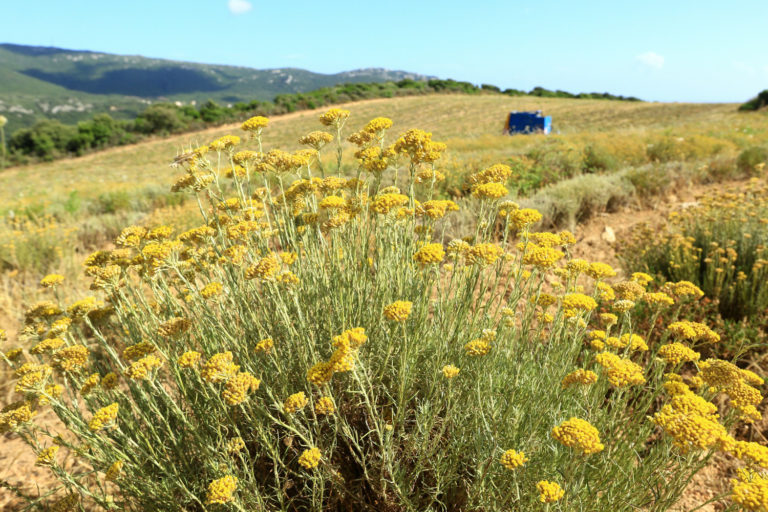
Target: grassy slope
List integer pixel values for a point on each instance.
(470, 124)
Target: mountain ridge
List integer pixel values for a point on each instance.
(123, 85)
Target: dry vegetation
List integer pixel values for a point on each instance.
(606, 156)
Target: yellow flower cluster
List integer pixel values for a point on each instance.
(342, 359)
(238, 386)
(512, 459)
(211, 290)
(541, 256)
(225, 143)
(575, 303)
(684, 289)
(90, 384)
(309, 459)
(429, 254)
(255, 124)
(676, 353)
(450, 371)
(580, 376)
(524, 218)
(265, 345)
(15, 414)
(235, 445)
(693, 331)
(419, 146)
(219, 368)
(436, 208)
(480, 346)
(549, 492)
(498, 173)
(726, 377)
(113, 472)
(141, 369)
(620, 372)
(484, 254)
(47, 457)
(324, 406)
(51, 280)
(384, 203)
(599, 270)
(295, 402)
(174, 327)
(398, 311)
(489, 190)
(189, 359)
(220, 491)
(690, 420)
(658, 299)
(750, 490)
(104, 417)
(71, 359)
(578, 434)
(334, 117)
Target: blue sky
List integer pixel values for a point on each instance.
(658, 50)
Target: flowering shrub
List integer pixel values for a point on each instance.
(719, 244)
(318, 344)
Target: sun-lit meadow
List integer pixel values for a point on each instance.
(259, 327)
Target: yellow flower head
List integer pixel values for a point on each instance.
(750, 490)
(489, 190)
(549, 492)
(450, 371)
(524, 218)
(47, 457)
(189, 359)
(72, 358)
(227, 142)
(316, 139)
(676, 353)
(310, 458)
(220, 491)
(575, 303)
(265, 345)
(295, 402)
(219, 368)
(621, 372)
(578, 434)
(104, 417)
(113, 472)
(398, 311)
(598, 270)
(51, 280)
(484, 254)
(580, 376)
(512, 459)
(334, 117)
(238, 386)
(324, 406)
(255, 124)
(429, 254)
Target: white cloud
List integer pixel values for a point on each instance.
(239, 6)
(651, 59)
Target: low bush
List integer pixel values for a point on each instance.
(316, 344)
(720, 244)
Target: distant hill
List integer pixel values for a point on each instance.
(71, 85)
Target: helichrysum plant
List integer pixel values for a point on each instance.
(324, 342)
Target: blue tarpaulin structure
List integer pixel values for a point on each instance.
(529, 122)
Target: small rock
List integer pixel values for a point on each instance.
(609, 235)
